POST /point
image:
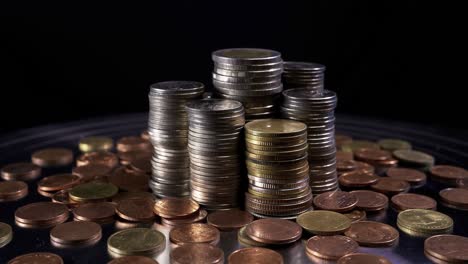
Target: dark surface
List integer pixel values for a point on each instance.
(450, 148)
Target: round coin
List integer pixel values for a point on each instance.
(102, 212)
(101, 157)
(448, 174)
(136, 209)
(414, 177)
(93, 191)
(360, 258)
(12, 190)
(95, 143)
(76, 233)
(194, 233)
(58, 182)
(323, 222)
(370, 200)
(404, 201)
(6, 234)
(255, 255)
(197, 254)
(21, 171)
(413, 157)
(274, 231)
(331, 247)
(52, 157)
(175, 207)
(455, 198)
(133, 260)
(41, 214)
(337, 201)
(275, 127)
(226, 220)
(358, 178)
(424, 221)
(449, 248)
(372, 234)
(136, 241)
(390, 186)
(37, 258)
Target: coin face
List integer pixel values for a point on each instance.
(75, 233)
(194, 233)
(370, 200)
(331, 247)
(13, 190)
(274, 231)
(255, 255)
(358, 178)
(404, 201)
(136, 241)
(197, 254)
(337, 201)
(229, 219)
(37, 257)
(93, 191)
(175, 207)
(369, 233)
(250, 54)
(174, 87)
(20, 171)
(136, 209)
(455, 197)
(414, 157)
(449, 248)
(52, 157)
(101, 212)
(421, 220)
(96, 143)
(41, 214)
(133, 260)
(447, 172)
(412, 176)
(321, 222)
(278, 127)
(390, 186)
(58, 182)
(359, 258)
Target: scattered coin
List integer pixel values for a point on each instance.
(358, 178)
(392, 144)
(414, 177)
(231, 219)
(323, 222)
(133, 143)
(12, 190)
(421, 222)
(133, 260)
(255, 255)
(37, 258)
(196, 218)
(447, 248)
(413, 158)
(136, 209)
(448, 174)
(337, 201)
(404, 201)
(370, 200)
(58, 182)
(175, 207)
(330, 247)
(52, 157)
(93, 191)
(136, 241)
(356, 215)
(390, 186)
(75, 234)
(101, 212)
(197, 254)
(194, 233)
(128, 180)
(274, 231)
(100, 157)
(6, 234)
(21, 171)
(456, 198)
(41, 215)
(373, 234)
(359, 258)
(95, 143)
(62, 197)
(91, 171)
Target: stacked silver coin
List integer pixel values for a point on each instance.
(317, 111)
(303, 75)
(168, 130)
(250, 76)
(214, 143)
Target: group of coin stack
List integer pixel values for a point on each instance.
(168, 129)
(215, 127)
(316, 110)
(278, 168)
(250, 76)
(303, 74)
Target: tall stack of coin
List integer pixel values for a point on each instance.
(250, 76)
(317, 111)
(303, 75)
(215, 127)
(277, 167)
(168, 129)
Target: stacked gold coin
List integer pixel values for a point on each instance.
(277, 168)
(424, 223)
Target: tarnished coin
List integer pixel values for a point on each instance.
(226, 220)
(51, 157)
(197, 254)
(136, 241)
(37, 258)
(392, 144)
(390, 186)
(274, 231)
(456, 198)
(100, 157)
(58, 182)
(194, 233)
(370, 200)
(136, 209)
(373, 234)
(414, 177)
(358, 178)
(175, 207)
(360, 258)
(404, 201)
(414, 158)
(75, 234)
(93, 191)
(337, 201)
(424, 222)
(331, 247)
(448, 174)
(102, 212)
(96, 143)
(449, 248)
(21, 171)
(13, 190)
(41, 214)
(255, 255)
(133, 260)
(323, 222)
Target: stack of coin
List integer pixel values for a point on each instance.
(21, 171)
(278, 168)
(424, 223)
(168, 130)
(317, 111)
(446, 249)
(214, 145)
(250, 76)
(303, 75)
(41, 215)
(273, 231)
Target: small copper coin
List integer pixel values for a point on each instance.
(404, 201)
(274, 231)
(58, 182)
(337, 201)
(226, 220)
(356, 215)
(414, 177)
(21, 171)
(133, 143)
(357, 178)
(42, 214)
(197, 254)
(196, 218)
(136, 209)
(370, 200)
(331, 247)
(101, 212)
(91, 171)
(12, 190)
(37, 258)
(449, 248)
(255, 255)
(361, 258)
(95, 143)
(133, 260)
(448, 174)
(372, 234)
(76, 233)
(128, 180)
(102, 157)
(51, 157)
(390, 186)
(194, 233)
(126, 158)
(62, 197)
(175, 207)
(367, 154)
(455, 197)
(46, 193)
(365, 167)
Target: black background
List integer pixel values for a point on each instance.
(67, 61)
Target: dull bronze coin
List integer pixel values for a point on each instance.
(404, 201)
(62, 197)
(255, 255)
(133, 260)
(76, 233)
(141, 165)
(12, 190)
(274, 231)
(90, 172)
(449, 248)
(337, 201)
(175, 207)
(448, 174)
(226, 220)
(358, 178)
(52, 157)
(390, 186)
(331, 247)
(41, 214)
(105, 158)
(101, 212)
(414, 177)
(356, 215)
(195, 218)
(37, 258)
(361, 258)
(136, 209)
(194, 233)
(21, 171)
(370, 200)
(58, 182)
(197, 254)
(128, 180)
(133, 143)
(373, 234)
(456, 198)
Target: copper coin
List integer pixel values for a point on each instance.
(133, 143)
(101, 212)
(21, 171)
(128, 195)
(128, 180)
(255, 255)
(404, 201)
(194, 233)
(346, 165)
(342, 140)
(51, 157)
(75, 233)
(42, 214)
(342, 155)
(126, 158)
(196, 218)
(226, 220)
(361, 258)
(447, 173)
(37, 258)
(462, 183)
(58, 182)
(12, 190)
(372, 234)
(145, 135)
(414, 177)
(197, 254)
(175, 207)
(390, 186)
(455, 197)
(356, 215)
(133, 260)
(365, 167)
(91, 171)
(46, 193)
(62, 197)
(141, 165)
(331, 247)
(136, 209)
(449, 248)
(274, 231)
(367, 154)
(337, 201)
(370, 200)
(357, 178)
(106, 158)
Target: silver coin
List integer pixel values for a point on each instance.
(246, 56)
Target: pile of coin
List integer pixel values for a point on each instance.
(250, 76)
(424, 223)
(381, 160)
(303, 75)
(168, 130)
(215, 128)
(179, 211)
(277, 168)
(317, 111)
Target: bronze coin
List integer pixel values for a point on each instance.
(361, 258)
(357, 178)
(51, 157)
(106, 158)
(194, 233)
(455, 197)
(91, 171)
(196, 218)
(448, 174)
(12, 190)
(141, 165)
(390, 186)
(128, 180)
(370, 200)
(226, 220)
(356, 215)
(365, 167)
(62, 197)
(331, 247)
(274, 231)
(133, 260)
(21, 171)
(342, 140)
(372, 234)
(342, 155)
(449, 248)
(414, 177)
(128, 195)
(175, 207)
(75, 233)
(346, 165)
(41, 214)
(337, 201)
(46, 193)
(133, 143)
(404, 201)
(58, 182)
(255, 255)
(126, 158)
(197, 254)
(136, 209)
(101, 212)
(367, 154)
(37, 258)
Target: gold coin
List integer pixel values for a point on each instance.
(90, 144)
(425, 221)
(275, 127)
(322, 222)
(6, 234)
(136, 241)
(93, 191)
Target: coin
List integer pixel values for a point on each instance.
(392, 144)
(41, 214)
(128, 195)
(133, 143)
(135, 209)
(226, 220)
(414, 177)
(101, 157)
(175, 207)
(128, 180)
(95, 143)
(21, 171)
(321, 222)
(255, 255)
(358, 178)
(448, 174)
(52, 157)
(58, 182)
(90, 171)
(370, 200)
(273, 231)
(358, 144)
(303, 74)
(75, 233)
(449, 248)
(13, 190)
(414, 158)
(93, 191)
(136, 241)
(337, 201)
(197, 254)
(390, 186)
(101, 212)
(133, 260)
(37, 258)
(373, 234)
(6, 234)
(456, 198)
(356, 215)
(331, 247)
(196, 218)
(404, 201)
(359, 258)
(275, 127)
(194, 233)
(424, 222)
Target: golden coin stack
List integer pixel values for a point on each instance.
(278, 169)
